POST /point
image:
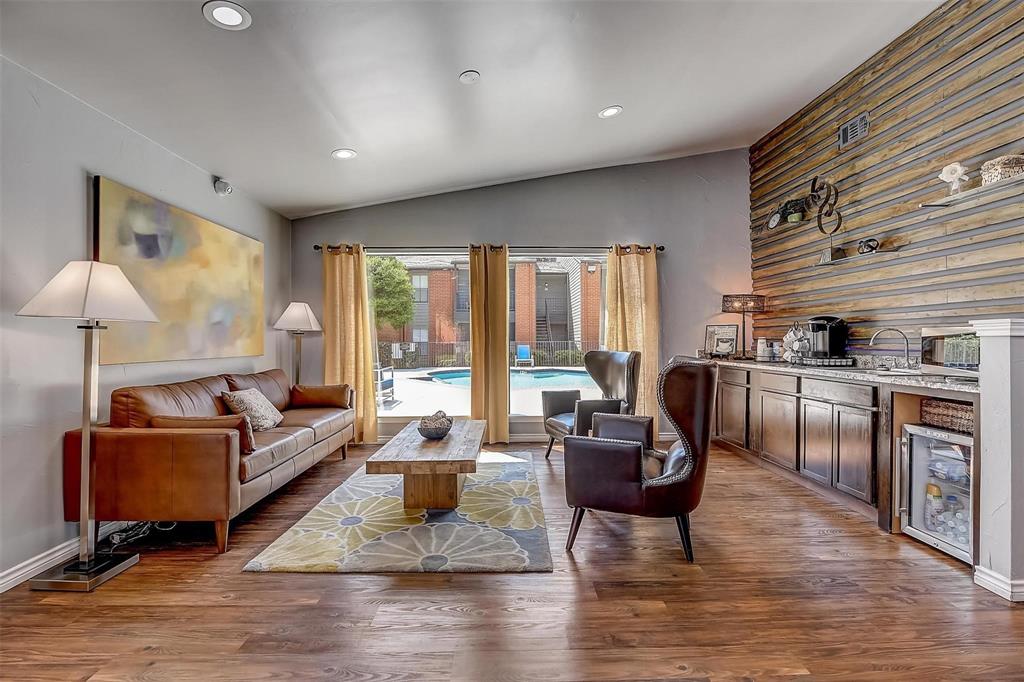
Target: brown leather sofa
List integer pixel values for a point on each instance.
(144, 473)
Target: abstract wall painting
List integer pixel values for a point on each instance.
(204, 281)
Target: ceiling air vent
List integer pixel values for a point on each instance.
(853, 131)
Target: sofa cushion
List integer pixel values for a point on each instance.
(563, 423)
(304, 435)
(246, 442)
(135, 406)
(254, 405)
(273, 383)
(336, 395)
(274, 447)
(325, 421)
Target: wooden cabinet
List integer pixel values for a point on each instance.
(854, 451)
(732, 413)
(816, 440)
(779, 425)
(823, 429)
(837, 446)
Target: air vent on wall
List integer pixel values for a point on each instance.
(853, 131)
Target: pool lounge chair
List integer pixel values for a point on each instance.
(384, 381)
(523, 356)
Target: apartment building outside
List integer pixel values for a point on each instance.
(556, 308)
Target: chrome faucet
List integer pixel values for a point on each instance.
(906, 341)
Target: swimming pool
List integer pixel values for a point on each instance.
(525, 378)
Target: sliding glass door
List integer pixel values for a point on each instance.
(420, 303)
(557, 316)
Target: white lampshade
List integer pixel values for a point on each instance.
(298, 317)
(89, 290)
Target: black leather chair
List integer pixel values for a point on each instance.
(618, 470)
(616, 373)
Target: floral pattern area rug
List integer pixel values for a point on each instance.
(362, 527)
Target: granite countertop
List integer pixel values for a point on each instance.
(856, 374)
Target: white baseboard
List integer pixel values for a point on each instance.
(65, 551)
(1012, 590)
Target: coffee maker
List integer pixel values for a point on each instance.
(828, 337)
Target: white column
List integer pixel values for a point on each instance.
(1000, 538)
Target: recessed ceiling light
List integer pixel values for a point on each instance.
(608, 112)
(229, 16)
(342, 154)
(469, 77)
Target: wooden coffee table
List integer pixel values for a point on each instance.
(434, 470)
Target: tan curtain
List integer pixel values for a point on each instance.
(632, 303)
(348, 335)
(488, 333)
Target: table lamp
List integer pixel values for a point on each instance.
(93, 292)
(743, 304)
(297, 319)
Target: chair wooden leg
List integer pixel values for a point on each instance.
(574, 527)
(344, 450)
(551, 442)
(221, 529)
(683, 522)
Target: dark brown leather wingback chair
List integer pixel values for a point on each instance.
(618, 470)
(616, 373)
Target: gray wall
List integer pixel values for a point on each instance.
(696, 206)
(51, 143)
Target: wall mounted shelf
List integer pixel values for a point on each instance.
(976, 193)
(857, 256)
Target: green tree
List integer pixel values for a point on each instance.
(392, 290)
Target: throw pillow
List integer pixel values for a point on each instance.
(253, 404)
(246, 441)
(320, 396)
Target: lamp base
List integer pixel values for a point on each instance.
(74, 576)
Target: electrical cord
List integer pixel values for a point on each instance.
(135, 532)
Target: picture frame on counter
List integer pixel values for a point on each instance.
(720, 340)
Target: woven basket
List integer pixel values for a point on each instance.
(1001, 168)
(947, 414)
(436, 426)
(434, 432)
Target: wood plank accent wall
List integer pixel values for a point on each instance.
(949, 89)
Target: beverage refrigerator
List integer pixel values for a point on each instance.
(936, 501)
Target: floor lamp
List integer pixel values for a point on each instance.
(297, 319)
(93, 292)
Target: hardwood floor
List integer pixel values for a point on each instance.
(785, 584)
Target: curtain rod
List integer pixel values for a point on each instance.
(318, 247)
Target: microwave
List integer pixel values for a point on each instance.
(952, 351)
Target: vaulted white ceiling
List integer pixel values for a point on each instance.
(264, 107)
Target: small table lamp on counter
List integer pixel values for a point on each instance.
(297, 319)
(93, 292)
(743, 304)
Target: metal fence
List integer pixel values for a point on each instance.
(429, 354)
